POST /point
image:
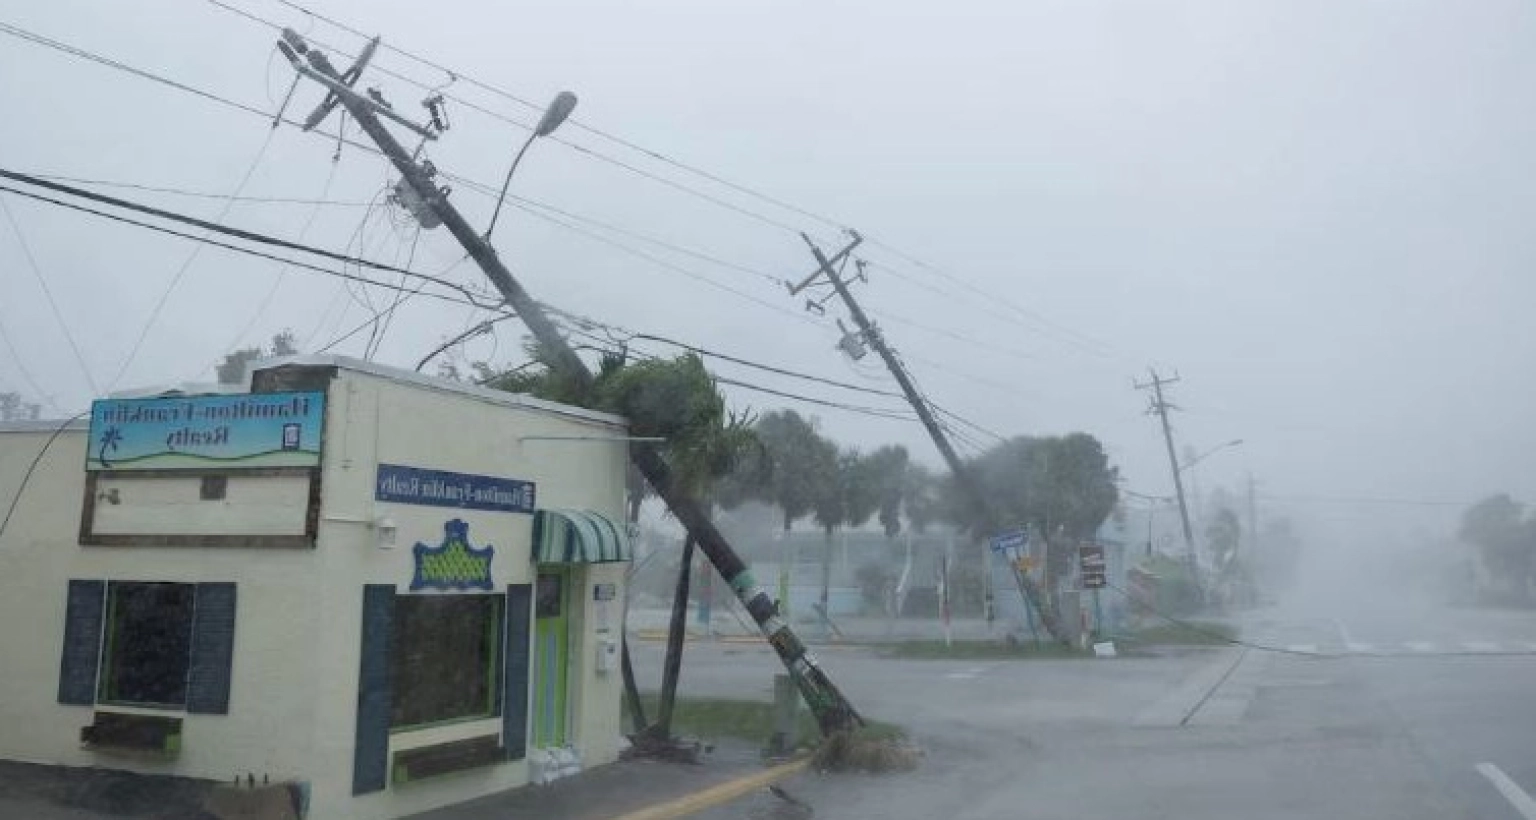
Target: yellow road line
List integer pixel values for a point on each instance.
(717, 794)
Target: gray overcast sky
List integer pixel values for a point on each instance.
(1317, 212)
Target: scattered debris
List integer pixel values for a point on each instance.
(861, 751)
(671, 749)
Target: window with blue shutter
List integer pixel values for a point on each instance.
(81, 657)
(514, 705)
(370, 752)
(213, 649)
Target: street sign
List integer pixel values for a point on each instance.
(1003, 542)
(1091, 564)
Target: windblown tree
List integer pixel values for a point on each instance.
(1505, 540)
(800, 463)
(847, 498)
(232, 369)
(13, 407)
(678, 401)
(1062, 487)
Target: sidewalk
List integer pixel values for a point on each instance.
(610, 791)
(649, 788)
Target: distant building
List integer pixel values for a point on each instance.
(351, 578)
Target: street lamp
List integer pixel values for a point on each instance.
(559, 108)
(1208, 453)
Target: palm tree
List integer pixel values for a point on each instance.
(673, 399)
(847, 499)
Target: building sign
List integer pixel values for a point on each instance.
(440, 488)
(1015, 540)
(1091, 564)
(233, 431)
(453, 564)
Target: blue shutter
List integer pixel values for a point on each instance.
(82, 642)
(514, 702)
(213, 649)
(370, 754)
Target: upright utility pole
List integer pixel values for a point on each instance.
(1160, 407)
(833, 711)
(870, 333)
(1253, 517)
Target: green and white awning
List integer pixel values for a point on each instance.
(578, 537)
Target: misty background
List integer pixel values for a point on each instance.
(1317, 213)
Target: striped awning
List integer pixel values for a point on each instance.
(578, 537)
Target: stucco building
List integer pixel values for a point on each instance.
(396, 591)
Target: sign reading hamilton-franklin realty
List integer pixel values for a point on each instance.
(191, 432)
(440, 488)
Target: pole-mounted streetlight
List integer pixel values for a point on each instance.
(1208, 453)
(554, 115)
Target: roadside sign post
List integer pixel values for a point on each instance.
(1093, 567)
(1012, 546)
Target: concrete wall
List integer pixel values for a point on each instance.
(373, 420)
(281, 599)
(297, 638)
(168, 504)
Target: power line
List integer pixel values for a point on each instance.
(467, 298)
(1031, 315)
(157, 189)
(939, 331)
(53, 304)
(692, 348)
(652, 240)
(57, 45)
(26, 477)
(277, 282)
(212, 97)
(467, 183)
(534, 107)
(250, 236)
(186, 264)
(967, 422)
(879, 412)
(1073, 337)
(341, 139)
(658, 261)
(1365, 500)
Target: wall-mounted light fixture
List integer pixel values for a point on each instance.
(385, 531)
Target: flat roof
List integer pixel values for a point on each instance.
(80, 423)
(521, 401)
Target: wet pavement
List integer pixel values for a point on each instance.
(1441, 732)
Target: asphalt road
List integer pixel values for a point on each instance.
(1365, 712)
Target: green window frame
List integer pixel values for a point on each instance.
(445, 659)
(146, 652)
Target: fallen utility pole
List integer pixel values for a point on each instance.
(1159, 407)
(832, 710)
(870, 333)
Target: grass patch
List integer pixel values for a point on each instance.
(751, 720)
(1193, 633)
(977, 650)
(711, 718)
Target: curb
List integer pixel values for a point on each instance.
(717, 794)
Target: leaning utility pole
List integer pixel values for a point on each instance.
(1160, 407)
(869, 332)
(833, 711)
